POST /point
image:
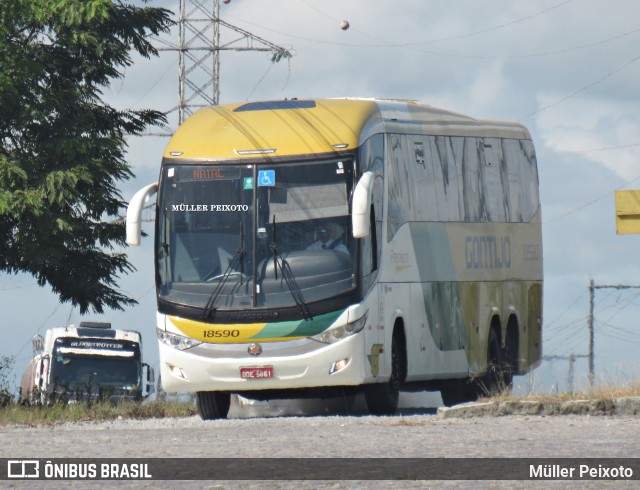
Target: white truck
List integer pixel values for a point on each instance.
(87, 362)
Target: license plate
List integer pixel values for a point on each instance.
(261, 372)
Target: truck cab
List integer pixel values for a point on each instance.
(88, 362)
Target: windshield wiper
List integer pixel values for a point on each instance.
(238, 259)
(287, 275)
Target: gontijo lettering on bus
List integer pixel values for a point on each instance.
(488, 252)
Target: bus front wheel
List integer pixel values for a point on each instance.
(382, 398)
(213, 404)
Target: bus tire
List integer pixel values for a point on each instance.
(493, 382)
(213, 404)
(382, 398)
(456, 391)
(510, 356)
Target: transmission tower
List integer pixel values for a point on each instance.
(199, 46)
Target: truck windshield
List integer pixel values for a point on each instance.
(96, 361)
(248, 236)
(80, 370)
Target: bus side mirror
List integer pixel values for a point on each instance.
(361, 205)
(134, 213)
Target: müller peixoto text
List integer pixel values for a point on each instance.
(582, 471)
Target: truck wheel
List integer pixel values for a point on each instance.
(213, 404)
(382, 398)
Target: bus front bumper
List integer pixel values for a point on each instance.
(282, 365)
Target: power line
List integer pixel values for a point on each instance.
(415, 45)
(571, 331)
(582, 89)
(158, 80)
(547, 325)
(563, 50)
(199, 47)
(603, 148)
(592, 289)
(567, 340)
(412, 45)
(500, 26)
(589, 203)
(621, 334)
(39, 328)
(571, 358)
(563, 327)
(561, 341)
(621, 307)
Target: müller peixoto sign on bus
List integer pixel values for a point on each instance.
(209, 207)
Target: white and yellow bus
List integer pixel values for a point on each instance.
(322, 247)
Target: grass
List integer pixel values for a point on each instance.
(38, 415)
(603, 392)
(57, 413)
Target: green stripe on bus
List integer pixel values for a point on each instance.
(299, 328)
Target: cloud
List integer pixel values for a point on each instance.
(601, 130)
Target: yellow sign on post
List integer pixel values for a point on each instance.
(628, 212)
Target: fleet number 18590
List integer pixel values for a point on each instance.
(221, 333)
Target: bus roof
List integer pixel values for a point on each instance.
(316, 126)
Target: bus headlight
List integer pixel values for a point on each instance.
(338, 333)
(176, 341)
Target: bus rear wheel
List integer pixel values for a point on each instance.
(382, 398)
(213, 404)
(456, 391)
(493, 382)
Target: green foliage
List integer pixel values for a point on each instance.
(62, 148)
(6, 370)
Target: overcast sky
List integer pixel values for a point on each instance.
(567, 69)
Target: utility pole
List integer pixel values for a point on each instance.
(571, 358)
(199, 46)
(591, 336)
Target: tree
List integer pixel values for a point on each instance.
(62, 147)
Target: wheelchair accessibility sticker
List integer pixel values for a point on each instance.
(266, 178)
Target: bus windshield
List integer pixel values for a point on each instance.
(247, 236)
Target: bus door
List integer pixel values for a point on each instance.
(380, 349)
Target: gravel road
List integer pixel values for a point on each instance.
(414, 433)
